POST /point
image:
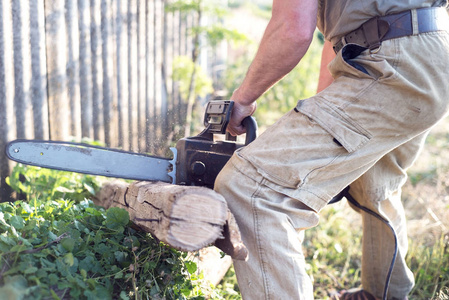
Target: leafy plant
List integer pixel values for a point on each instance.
(46, 184)
(55, 246)
(182, 69)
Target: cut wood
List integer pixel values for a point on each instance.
(212, 264)
(187, 218)
(231, 243)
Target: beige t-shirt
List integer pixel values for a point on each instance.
(339, 17)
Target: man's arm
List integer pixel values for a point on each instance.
(327, 56)
(286, 39)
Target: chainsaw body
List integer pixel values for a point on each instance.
(201, 158)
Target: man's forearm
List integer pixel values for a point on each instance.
(285, 41)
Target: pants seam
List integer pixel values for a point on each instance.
(266, 284)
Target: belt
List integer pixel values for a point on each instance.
(371, 34)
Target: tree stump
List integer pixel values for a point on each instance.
(187, 218)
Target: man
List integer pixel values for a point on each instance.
(364, 128)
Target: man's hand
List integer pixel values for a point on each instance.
(240, 112)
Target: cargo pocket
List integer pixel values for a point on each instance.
(346, 131)
(301, 144)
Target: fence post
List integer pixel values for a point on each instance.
(132, 78)
(97, 74)
(149, 75)
(106, 19)
(56, 42)
(38, 70)
(121, 75)
(22, 68)
(141, 75)
(165, 79)
(73, 70)
(85, 69)
(157, 24)
(6, 88)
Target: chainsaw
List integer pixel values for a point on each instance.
(196, 160)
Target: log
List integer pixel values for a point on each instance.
(187, 218)
(211, 264)
(231, 242)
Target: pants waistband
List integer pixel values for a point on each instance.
(375, 30)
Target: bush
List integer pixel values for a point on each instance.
(56, 244)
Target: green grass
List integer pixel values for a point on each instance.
(431, 268)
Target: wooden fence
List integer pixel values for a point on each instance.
(98, 69)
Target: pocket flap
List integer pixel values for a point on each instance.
(335, 121)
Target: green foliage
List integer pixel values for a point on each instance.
(430, 264)
(192, 80)
(56, 246)
(183, 6)
(216, 33)
(47, 184)
(182, 72)
(213, 34)
(262, 10)
(209, 7)
(428, 175)
(229, 286)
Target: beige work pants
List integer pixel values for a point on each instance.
(364, 130)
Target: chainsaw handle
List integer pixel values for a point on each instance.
(251, 129)
(217, 117)
(250, 125)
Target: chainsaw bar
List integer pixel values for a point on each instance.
(87, 159)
